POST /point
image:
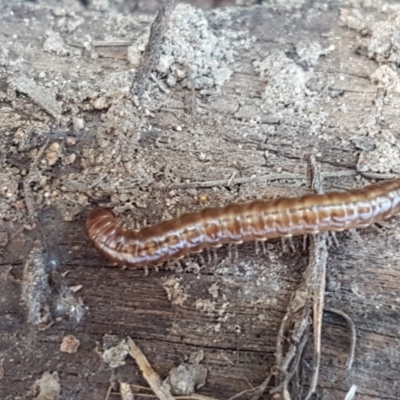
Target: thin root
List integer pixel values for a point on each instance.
(353, 337)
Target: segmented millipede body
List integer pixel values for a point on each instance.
(237, 223)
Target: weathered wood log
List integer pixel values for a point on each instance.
(239, 97)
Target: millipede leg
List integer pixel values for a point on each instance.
(215, 254)
(209, 256)
(178, 265)
(236, 252)
(329, 240)
(187, 261)
(229, 257)
(356, 235)
(304, 243)
(192, 266)
(264, 247)
(377, 227)
(284, 246)
(202, 260)
(291, 245)
(334, 238)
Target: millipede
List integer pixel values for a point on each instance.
(259, 220)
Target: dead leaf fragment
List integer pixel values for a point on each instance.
(69, 344)
(49, 386)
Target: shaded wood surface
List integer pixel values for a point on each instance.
(254, 125)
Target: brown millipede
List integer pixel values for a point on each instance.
(237, 223)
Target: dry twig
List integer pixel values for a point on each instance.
(148, 372)
(318, 257)
(262, 178)
(351, 393)
(108, 393)
(306, 301)
(375, 175)
(125, 391)
(317, 262)
(153, 48)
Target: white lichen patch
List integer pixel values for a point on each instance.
(49, 386)
(195, 53)
(385, 156)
